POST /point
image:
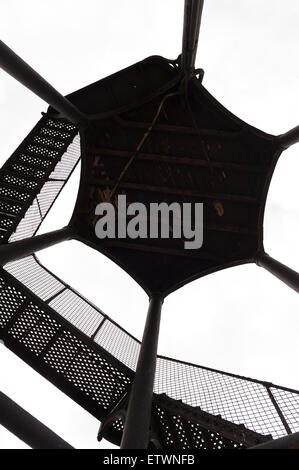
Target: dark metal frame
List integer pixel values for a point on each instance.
(286, 443)
(136, 432)
(279, 270)
(15, 159)
(19, 249)
(21, 71)
(27, 428)
(192, 20)
(138, 419)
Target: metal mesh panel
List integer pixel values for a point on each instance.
(10, 207)
(5, 222)
(14, 194)
(60, 126)
(34, 175)
(46, 162)
(28, 171)
(178, 433)
(44, 200)
(34, 328)
(48, 141)
(68, 160)
(19, 181)
(11, 299)
(48, 195)
(65, 301)
(40, 336)
(88, 371)
(77, 311)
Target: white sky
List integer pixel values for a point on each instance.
(241, 320)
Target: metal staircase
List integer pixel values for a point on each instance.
(73, 343)
(28, 169)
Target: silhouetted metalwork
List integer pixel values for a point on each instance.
(288, 442)
(281, 271)
(138, 418)
(289, 138)
(17, 68)
(155, 134)
(28, 246)
(192, 20)
(37, 304)
(27, 428)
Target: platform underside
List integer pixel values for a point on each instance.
(182, 146)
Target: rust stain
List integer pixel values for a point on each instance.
(219, 208)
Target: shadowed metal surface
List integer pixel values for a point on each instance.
(151, 132)
(194, 151)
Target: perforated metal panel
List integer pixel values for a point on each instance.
(178, 433)
(59, 351)
(239, 400)
(78, 347)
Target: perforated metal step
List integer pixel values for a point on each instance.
(28, 170)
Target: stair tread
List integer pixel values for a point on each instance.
(10, 200)
(6, 214)
(34, 165)
(54, 135)
(32, 177)
(42, 148)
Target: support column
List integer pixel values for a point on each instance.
(21, 71)
(282, 272)
(28, 246)
(137, 425)
(289, 138)
(192, 20)
(27, 428)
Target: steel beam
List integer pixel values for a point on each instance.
(192, 19)
(177, 191)
(136, 433)
(22, 248)
(281, 271)
(289, 138)
(27, 428)
(160, 250)
(171, 159)
(287, 442)
(21, 71)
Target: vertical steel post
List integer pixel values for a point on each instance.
(192, 20)
(279, 412)
(19, 249)
(282, 272)
(21, 71)
(137, 424)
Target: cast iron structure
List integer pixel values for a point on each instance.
(151, 132)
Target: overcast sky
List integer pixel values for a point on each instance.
(241, 320)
